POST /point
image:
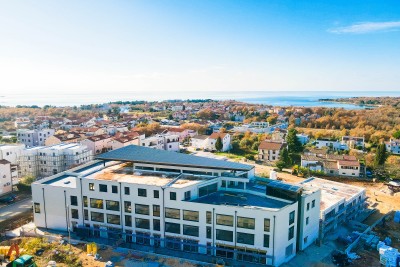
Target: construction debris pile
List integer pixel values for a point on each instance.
(389, 257)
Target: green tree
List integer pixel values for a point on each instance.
(284, 157)
(380, 155)
(280, 165)
(294, 144)
(397, 135)
(218, 144)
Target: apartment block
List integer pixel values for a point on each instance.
(46, 161)
(138, 196)
(32, 138)
(5, 178)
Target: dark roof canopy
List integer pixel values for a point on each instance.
(140, 154)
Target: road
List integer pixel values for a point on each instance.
(15, 209)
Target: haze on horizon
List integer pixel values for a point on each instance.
(153, 45)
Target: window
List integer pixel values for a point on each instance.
(156, 210)
(208, 217)
(126, 190)
(289, 250)
(97, 216)
(305, 240)
(189, 215)
(225, 220)
(128, 206)
(224, 235)
(156, 193)
(223, 184)
(266, 241)
(209, 235)
(243, 222)
(291, 218)
(190, 230)
(114, 189)
(172, 195)
(142, 223)
(267, 225)
(308, 206)
(142, 209)
(174, 228)
(128, 220)
(112, 205)
(102, 187)
(74, 200)
(172, 213)
(307, 220)
(86, 214)
(37, 207)
(96, 203)
(156, 224)
(291, 233)
(74, 214)
(208, 189)
(113, 219)
(142, 192)
(188, 195)
(313, 204)
(91, 186)
(244, 238)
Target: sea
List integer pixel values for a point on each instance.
(275, 98)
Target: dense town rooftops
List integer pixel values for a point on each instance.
(147, 155)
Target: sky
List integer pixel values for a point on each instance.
(97, 46)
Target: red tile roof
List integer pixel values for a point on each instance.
(270, 145)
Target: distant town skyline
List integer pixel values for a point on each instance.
(148, 46)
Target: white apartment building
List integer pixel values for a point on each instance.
(98, 143)
(332, 144)
(5, 177)
(45, 161)
(32, 138)
(11, 152)
(339, 202)
(165, 141)
(268, 151)
(138, 196)
(393, 146)
(208, 142)
(353, 141)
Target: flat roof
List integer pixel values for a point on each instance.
(229, 198)
(63, 181)
(140, 154)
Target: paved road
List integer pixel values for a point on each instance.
(14, 209)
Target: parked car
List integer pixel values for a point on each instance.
(8, 199)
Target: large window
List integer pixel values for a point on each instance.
(96, 203)
(225, 220)
(208, 189)
(172, 213)
(245, 238)
(74, 200)
(85, 201)
(156, 224)
(224, 235)
(291, 233)
(74, 214)
(189, 215)
(114, 189)
(36, 207)
(128, 220)
(266, 241)
(174, 228)
(208, 217)
(243, 222)
(142, 192)
(190, 230)
(142, 209)
(291, 218)
(102, 187)
(128, 206)
(156, 210)
(267, 225)
(142, 223)
(113, 219)
(172, 195)
(97, 216)
(112, 205)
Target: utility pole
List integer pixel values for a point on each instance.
(69, 229)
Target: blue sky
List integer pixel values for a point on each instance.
(199, 45)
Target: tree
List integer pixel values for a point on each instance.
(380, 155)
(396, 135)
(280, 165)
(284, 157)
(218, 144)
(294, 144)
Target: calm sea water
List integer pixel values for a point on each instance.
(292, 98)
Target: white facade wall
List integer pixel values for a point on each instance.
(5, 178)
(32, 138)
(11, 152)
(393, 146)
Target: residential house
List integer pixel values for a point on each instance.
(339, 165)
(269, 150)
(5, 177)
(98, 143)
(32, 138)
(11, 152)
(64, 137)
(199, 141)
(393, 146)
(212, 140)
(353, 141)
(331, 144)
